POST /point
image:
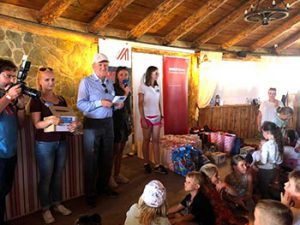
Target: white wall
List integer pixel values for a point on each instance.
(238, 80)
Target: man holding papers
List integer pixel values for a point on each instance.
(95, 96)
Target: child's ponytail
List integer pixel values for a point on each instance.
(276, 132)
(279, 139)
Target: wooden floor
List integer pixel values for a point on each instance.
(113, 210)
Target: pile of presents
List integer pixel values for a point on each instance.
(215, 147)
(187, 158)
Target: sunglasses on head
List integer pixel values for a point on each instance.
(105, 88)
(45, 69)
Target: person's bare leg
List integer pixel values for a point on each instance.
(155, 142)
(146, 143)
(118, 177)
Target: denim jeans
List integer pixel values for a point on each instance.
(98, 151)
(7, 174)
(51, 158)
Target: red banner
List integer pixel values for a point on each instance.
(175, 94)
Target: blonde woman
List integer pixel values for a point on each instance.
(151, 208)
(50, 148)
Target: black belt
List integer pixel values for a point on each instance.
(93, 123)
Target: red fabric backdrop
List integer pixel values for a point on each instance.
(175, 95)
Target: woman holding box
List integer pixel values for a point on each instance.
(51, 149)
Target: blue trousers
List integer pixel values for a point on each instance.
(51, 158)
(98, 152)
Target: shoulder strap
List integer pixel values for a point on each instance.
(62, 99)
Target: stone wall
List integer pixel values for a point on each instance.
(70, 60)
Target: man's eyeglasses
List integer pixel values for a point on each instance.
(43, 69)
(9, 76)
(105, 88)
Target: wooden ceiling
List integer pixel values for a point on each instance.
(194, 24)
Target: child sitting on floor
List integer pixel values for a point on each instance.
(241, 181)
(291, 196)
(151, 208)
(195, 208)
(291, 153)
(215, 190)
(271, 212)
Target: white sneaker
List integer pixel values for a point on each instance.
(47, 216)
(121, 179)
(63, 210)
(112, 183)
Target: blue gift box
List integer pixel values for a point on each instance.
(186, 159)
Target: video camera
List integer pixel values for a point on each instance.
(21, 76)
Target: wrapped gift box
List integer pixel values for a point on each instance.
(246, 150)
(186, 159)
(218, 157)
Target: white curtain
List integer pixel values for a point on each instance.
(208, 78)
(241, 81)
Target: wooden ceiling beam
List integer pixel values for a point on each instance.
(240, 36)
(276, 33)
(44, 30)
(107, 14)
(288, 42)
(225, 22)
(153, 18)
(192, 21)
(52, 10)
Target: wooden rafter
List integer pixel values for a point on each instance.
(200, 15)
(153, 18)
(40, 29)
(288, 42)
(220, 26)
(52, 10)
(23, 19)
(241, 35)
(111, 10)
(276, 33)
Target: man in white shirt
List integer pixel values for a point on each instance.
(267, 109)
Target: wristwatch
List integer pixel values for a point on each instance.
(8, 97)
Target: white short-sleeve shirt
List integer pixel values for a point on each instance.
(151, 99)
(270, 155)
(268, 111)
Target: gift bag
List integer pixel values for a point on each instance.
(220, 141)
(213, 137)
(228, 142)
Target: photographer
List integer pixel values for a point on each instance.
(12, 114)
